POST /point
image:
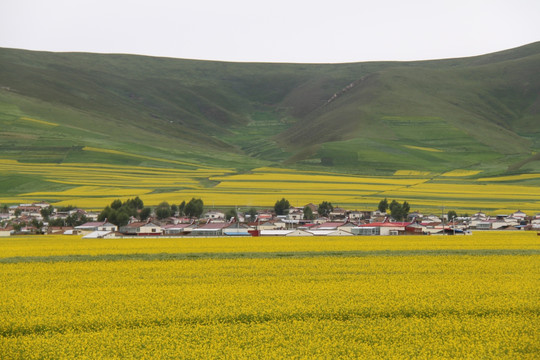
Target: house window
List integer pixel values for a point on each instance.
(154, 230)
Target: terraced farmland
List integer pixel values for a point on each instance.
(94, 186)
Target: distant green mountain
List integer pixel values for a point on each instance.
(373, 118)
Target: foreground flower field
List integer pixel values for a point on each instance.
(362, 297)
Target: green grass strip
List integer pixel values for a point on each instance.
(263, 255)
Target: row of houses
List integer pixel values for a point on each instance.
(274, 227)
(267, 228)
(340, 222)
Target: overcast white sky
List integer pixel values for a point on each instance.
(272, 31)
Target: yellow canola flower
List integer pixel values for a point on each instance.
(461, 173)
(423, 148)
(510, 177)
(433, 304)
(299, 177)
(37, 121)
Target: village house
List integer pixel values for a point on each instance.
(513, 221)
(520, 215)
(30, 210)
(89, 227)
(480, 215)
(275, 224)
(320, 220)
(535, 222)
(481, 225)
(141, 229)
(264, 215)
(59, 230)
(214, 215)
(338, 213)
(366, 230)
(314, 208)
(91, 215)
(237, 229)
(415, 216)
(334, 226)
(6, 217)
(28, 229)
(381, 228)
(415, 228)
(432, 218)
(210, 229)
(6, 231)
(295, 214)
(178, 229)
(336, 232)
(290, 232)
(355, 215)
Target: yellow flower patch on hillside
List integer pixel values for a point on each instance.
(461, 173)
(37, 121)
(411, 173)
(422, 148)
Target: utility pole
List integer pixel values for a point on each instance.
(442, 218)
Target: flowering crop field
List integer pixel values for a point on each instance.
(93, 186)
(362, 297)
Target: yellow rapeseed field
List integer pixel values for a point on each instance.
(461, 172)
(94, 186)
(510, 177)
(374, 297)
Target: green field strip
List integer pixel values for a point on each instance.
(266, 255)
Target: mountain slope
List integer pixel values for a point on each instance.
(372, 117)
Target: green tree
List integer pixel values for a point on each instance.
(106, 214)
(37, 224)
(396, 210)
(282, 207)
(122, 218)
(325, 208)
(18, 212)
(119, 212)
(136, 203)
(46, 212)
(57, 222)
(76, 219)
(406, 208)
(252, 214)
(194, 208)
(163, 210)
(116, 204)
(452, 214)
(308, 213)
(399, 211)
(174, 209)
(145, 213)
(231, 213)
(383, 205)
(182, 208)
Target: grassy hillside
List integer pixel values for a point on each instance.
(469, 113)
(373, 118)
